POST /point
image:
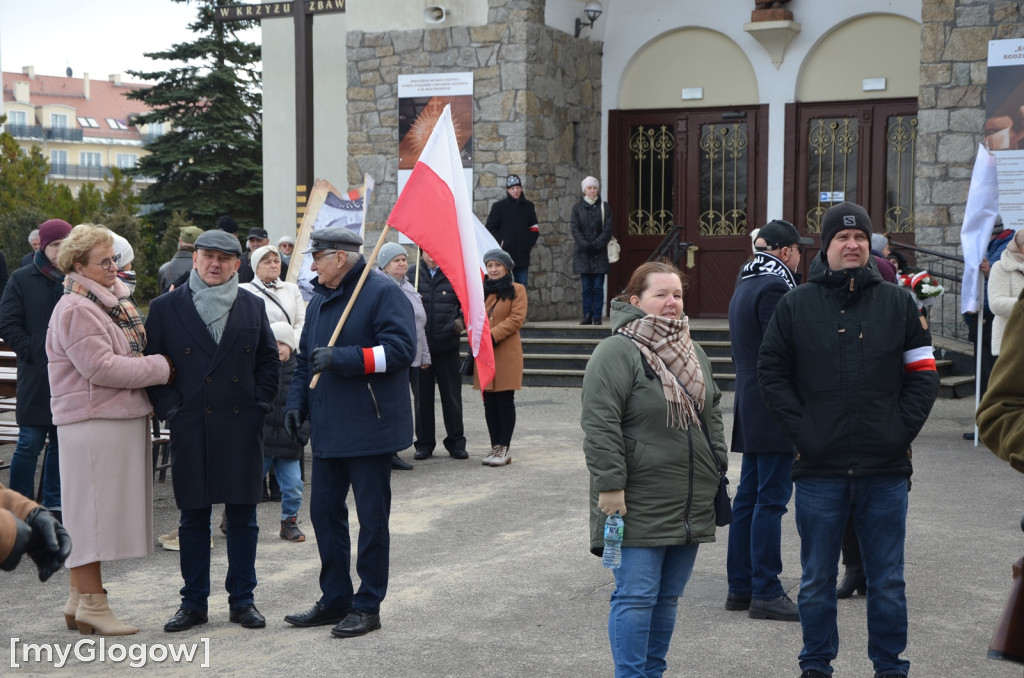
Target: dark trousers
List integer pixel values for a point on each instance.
(370, 480)
(444, 371)
(500, 414)
(593, 294)
(987, 359)
(194, 537)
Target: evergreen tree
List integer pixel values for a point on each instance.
(209, 162)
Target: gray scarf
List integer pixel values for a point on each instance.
(213, 303)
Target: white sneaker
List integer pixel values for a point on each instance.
(174, 545)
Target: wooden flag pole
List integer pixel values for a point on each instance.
(355, 293)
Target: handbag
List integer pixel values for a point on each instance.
(614, 249)
(466, 368)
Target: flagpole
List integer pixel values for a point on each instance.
(355, 293)
(418, 250)
(980, 324)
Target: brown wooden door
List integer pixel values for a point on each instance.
(860, 151)
(701, 169)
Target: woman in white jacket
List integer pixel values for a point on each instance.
(1005, 283)
(283, 300)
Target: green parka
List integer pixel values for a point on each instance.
(669, 476)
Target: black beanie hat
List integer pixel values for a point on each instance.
(840, 217)
(226, 223)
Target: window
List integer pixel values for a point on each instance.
(17, 118)
(84, 121)
(58, 120)
(156, 129)
(90, 159)
(116, 124)
(59, 162)
(127, 160)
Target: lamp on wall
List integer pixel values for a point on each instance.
(593, 10)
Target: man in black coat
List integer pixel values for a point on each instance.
(755, 546)
(443, 329)
(847, 370)
(513, 223)
(224, 381)
(25, 309)
(172, 272)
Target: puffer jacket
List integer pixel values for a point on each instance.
(591, 234)
(276, 442)
(1005, 284)
(847, 370)
(670, 476)
(444, 314)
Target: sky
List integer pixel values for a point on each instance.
(98, 37)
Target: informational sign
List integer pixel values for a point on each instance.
(1004, 125)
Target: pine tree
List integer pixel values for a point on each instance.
(209, 162)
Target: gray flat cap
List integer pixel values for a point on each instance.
(334, 238)
(222, 241)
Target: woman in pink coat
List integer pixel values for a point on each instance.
(101, 411)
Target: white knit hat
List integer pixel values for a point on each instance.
(284, 333)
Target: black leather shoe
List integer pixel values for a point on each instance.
(318, 615)
(184, 619)
(399, 463)
(587, 321)
(459, 454)
(853, 580)
(737, 602)
(357, 623)
(422, 454)
(248, 616)
(813, 674)
(781, 608)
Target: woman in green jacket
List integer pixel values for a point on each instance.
(654, 442)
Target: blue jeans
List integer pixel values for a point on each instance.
(643, 607)
(755, 536)
(31, 440)
(194, 538)
(879, 508)
(593, 294)
(289, 479)
(519, 274)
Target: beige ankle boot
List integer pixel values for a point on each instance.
(487, 460)
(94, 616)
(501, 456)
(70, 608)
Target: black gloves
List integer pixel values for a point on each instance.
(22, 537)
(322, 359)
(50, 544)
(293, 426)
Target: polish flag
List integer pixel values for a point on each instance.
(436, 212)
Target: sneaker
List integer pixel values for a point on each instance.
(290, 531)
(174, 545)
(781, 608)
(173, 534)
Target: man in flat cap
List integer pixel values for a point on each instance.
(181, 263)
(360, 414)
(225, 378)
(256, 238)
(513, 223)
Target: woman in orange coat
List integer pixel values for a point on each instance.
(506, 310)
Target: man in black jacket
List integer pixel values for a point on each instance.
(444, 326)
(846, 368)
(513, 223)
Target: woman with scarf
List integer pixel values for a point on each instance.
(654, 443)
(591, 222)
(101, 410)
(394, 263)
(1005, 284)
(283, 300)
(505, 302)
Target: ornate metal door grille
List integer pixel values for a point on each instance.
(723, 179)
(831, 166)
(651, 177)
(900, 149)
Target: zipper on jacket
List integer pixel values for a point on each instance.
(369, 388)
(689, 494)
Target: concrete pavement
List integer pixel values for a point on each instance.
(490, 575)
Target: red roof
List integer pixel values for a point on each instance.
(106, 100)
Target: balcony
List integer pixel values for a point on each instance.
(24, 131)
(66, 172)
(63, 133)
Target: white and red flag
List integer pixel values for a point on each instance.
(436, 212)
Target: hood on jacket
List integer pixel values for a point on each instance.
(623, 312)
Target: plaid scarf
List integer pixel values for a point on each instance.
(124, 313)
(667, 346)
(46, 267)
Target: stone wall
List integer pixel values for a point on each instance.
(537, 114)
(951, 117)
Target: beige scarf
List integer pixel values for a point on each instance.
(667, 346)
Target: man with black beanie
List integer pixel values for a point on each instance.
(513, 223)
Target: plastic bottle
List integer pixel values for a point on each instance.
(613, 529)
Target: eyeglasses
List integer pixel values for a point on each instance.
(106, 264)
(324, 253)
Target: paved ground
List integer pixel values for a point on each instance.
(491, 576)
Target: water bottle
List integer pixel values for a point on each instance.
(613, 529)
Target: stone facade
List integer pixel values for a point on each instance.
(951, 105)
(537, 114)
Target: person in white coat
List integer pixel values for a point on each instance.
(1005, 283)
(283, 300)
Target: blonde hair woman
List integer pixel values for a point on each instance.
(97, 380)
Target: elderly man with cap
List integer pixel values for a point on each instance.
(25, 309)
(847, 370)
(755, 546)
(361, 415)
(181, 263)
(226, 376)
(513, 223)
(256, 238)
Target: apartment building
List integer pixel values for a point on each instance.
(82, 126)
